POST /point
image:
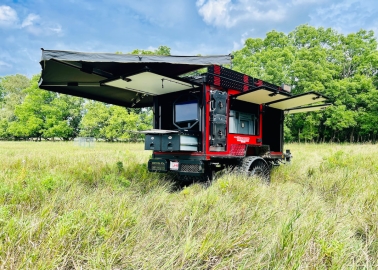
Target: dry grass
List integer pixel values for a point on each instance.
(62, 206)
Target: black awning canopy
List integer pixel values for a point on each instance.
(88, 74)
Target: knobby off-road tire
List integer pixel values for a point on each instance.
(254, 166)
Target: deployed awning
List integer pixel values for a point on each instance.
(150, 83)
(119, 79)
(262, 96)
(283, 100)
(308, 109)
(298, 100)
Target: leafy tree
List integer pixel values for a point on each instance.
(343, 67)
(94, 120)
(45, 114)
(119, 124)
(161, 50)
(109, 122)
(63, 116)
(11, 95)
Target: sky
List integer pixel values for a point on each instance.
(188, 27)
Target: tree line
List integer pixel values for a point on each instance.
(342, 67)
(27, 112)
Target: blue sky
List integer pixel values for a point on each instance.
(188, 27)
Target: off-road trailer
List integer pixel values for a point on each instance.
(201, 124)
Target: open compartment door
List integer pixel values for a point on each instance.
(308, 109)
(297, 101)
(150, 83)
(120, 79)
(261, 96)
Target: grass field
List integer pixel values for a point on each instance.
(69, 207)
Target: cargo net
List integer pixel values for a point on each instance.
(195, 168)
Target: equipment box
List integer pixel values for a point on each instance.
(178, 142)
(152, 142)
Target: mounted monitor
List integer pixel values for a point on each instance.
(185, 113)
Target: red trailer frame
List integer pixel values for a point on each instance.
(239, 119)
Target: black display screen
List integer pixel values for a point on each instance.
(186, 111)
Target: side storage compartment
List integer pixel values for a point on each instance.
(242, 123)
(179, 142)
(152, 142)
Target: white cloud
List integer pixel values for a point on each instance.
(347, 16)
(55, 29)
(243, 38)
(151, 48)
(3, 64)
(216, 12)
(228, 13)
(33, 23)
(5, 67)
(163, 13)
(36, 26)
(8, 17)
(30, 20)
(304, 2)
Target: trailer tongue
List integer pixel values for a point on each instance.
(201, 124)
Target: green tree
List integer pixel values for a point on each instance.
(45, 114)
(120, 124)
(63, 116)
(343, 67)
(110, 122)
(96, 115)
(11, 95)
(161, 50)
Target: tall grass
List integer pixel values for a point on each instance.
(62, 206)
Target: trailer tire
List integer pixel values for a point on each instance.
(254, 166)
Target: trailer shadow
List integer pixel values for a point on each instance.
(179, 183)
